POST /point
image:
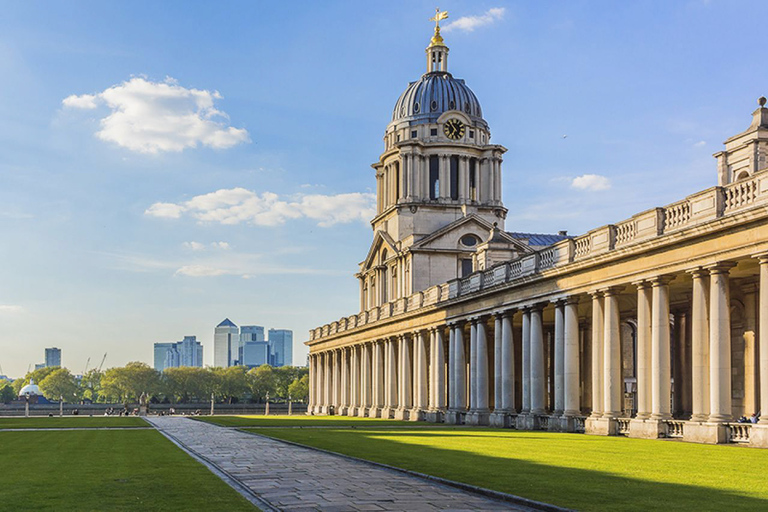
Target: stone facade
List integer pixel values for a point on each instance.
(656, 326)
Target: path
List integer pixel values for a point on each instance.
(289, 477)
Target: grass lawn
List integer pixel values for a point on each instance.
(300, 420)
(72, 422)
(106, 470)
(571, 470)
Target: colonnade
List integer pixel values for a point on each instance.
(508, 367)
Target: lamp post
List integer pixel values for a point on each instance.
(290, 405)
(212, 400)
(61, 406)
(266, 409)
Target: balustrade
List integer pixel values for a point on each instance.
(675, 428)
(738, 432)
(625, 233)
(741, 193)
(677, 215)
(623, 426)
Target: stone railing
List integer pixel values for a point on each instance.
(675, 428)
(579, 423)
(543, 422)
(695, 209)
(738, 432)
(623, 426)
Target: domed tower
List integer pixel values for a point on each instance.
(438, 185)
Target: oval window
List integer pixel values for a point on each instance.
(451, 105)
(416, 107)
(469, 240)
(434, 105)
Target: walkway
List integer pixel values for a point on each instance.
(289, 477)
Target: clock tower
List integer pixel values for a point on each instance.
(438, 186)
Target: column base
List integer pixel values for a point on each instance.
(502, 419)
(601, 426)
(527, 421)
(325, 409)
(416, 414)
(387, 413)
(362, 412)
(434, 416)
(647, 429)
(706, 433)
(758, 436)
(401, 414)
(343, 411)
(374, 412)
(567, 423)
(480, 417)
(454, 417)
(352, 411)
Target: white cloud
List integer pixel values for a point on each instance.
(200, 271)
(11, 308)
(470, 23)
(239, 205)
(591, 182)
(151, 117)
(221, 245)
(700, 144)
(197, 246)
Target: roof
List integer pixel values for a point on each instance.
(227, 323)
(539, 239)
(426, 99)
(30, 389)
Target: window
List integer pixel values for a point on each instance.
(466, 267)
(454, 177)
(414, 134)
(471, 134)
(398, 137)
(397, 181)
(434, 177)
(433, 132)
(469, 240)
(473, 179)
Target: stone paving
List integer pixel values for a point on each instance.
(302, 479)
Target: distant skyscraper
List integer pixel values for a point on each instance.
(227, 349)
(39, 365)
(53, 356)
(281, 347)
(251, 333)
(255, 353)
(188, 352)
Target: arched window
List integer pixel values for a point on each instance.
(742, 176)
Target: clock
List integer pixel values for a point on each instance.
(454, 129)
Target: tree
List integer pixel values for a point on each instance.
(283, 377)
(231, 383)
(90, 384)
(187, 383)
(59, 383)
(126, 384)
(36, 375)
(299, 389)
(263, 380)
(7, 393)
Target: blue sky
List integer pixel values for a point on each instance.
(166, 165)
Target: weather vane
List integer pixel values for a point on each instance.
(439, 15)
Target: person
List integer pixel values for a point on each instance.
(753, 418)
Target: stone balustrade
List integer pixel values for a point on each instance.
(675, 428)
(623, 426)
(694, 210)
(738, 432)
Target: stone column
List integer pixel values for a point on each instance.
(451, 368)
(661, 374)
(508, 364)
(328, 382)
(312, 377)
(378, 380)
(473, 365)
(439, 371)
(700, 346)
(463, 170)
(391, 381)
(613, 384)
(461, 371)
(571, 374)
(406, 391)
(763, 338)
(597, 354)
(644, 374)
(420, 381)
(719, 344)
(344, 409)
(498, 363)
(480, 416)
(337, 380)
(559, 358)
(537, 362)
(431, 370)
(354, 381)
(526, 363)
(365, 380)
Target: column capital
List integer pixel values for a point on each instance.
(612, 290)
(697, 272)
(721, 267)
(595, 294)
(539, 306)
(762, 258)
(571, 299)
(662, 280)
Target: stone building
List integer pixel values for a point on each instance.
(655, 326)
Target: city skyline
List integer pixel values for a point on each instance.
(149, 236)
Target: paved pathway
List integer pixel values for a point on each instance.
(294, 478)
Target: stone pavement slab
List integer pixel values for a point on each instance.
(293, 478)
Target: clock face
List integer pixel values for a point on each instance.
(454, 129)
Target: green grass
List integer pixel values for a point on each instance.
(106, 470)
(570, 470)
(72, 422)
(300, 420)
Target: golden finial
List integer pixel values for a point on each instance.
(437, 39)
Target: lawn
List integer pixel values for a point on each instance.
(570, 470)
(301, 420)
(106, 470)
(72, 422)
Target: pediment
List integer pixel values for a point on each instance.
(381, 239)
(447, 238)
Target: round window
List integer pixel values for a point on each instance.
(416, 107)
(451, 105)
(469, 240)
(434, 105)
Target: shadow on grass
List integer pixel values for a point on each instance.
(596, 488)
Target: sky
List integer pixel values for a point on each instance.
(165, 165)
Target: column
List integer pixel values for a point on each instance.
(365, 379)
(498, 364)
(328, 383)
(700, 345)
(612, 388)
(391, 398)
(451, 367)
(463, 170)
(473, 364)
(643, 342)
(537, 362)
(461, 373)
(481, 344)
(407, 371)
(378, 383)
(559, 357)
(420, 381)
(431, 370)
(719, 344)
(597, 354)
(354, 381)
(661, 374)
(762, 332)
(439, 370)
(312, 378)
(344, 381)
(508, 364)
(526, 355)
(571, 361)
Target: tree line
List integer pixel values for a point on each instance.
(186, 384)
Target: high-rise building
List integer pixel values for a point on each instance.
(255, 353)
(281, 347)
(251, 333)
(188, 352)
(52, 357)
(227, 348)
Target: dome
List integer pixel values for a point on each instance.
(425, 100)
(30, 389)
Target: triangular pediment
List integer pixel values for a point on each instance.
(381, 239)
(447, 237)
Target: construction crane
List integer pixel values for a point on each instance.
(102, 360)
(86, 364)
